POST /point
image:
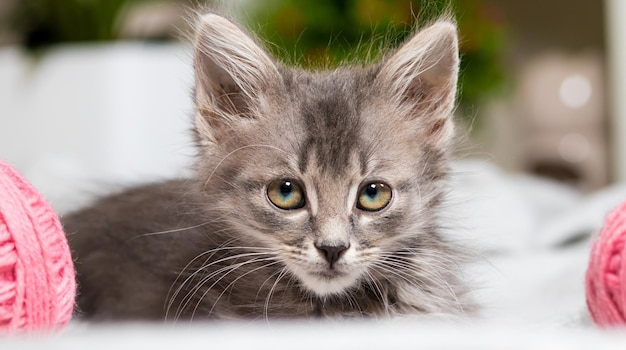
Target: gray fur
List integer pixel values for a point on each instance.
(213, 246)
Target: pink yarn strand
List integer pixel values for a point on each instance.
(606, 274)
(37, 282)
(621, 277)
(29, 247)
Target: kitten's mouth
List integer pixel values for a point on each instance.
(327, 281)
(328, 273)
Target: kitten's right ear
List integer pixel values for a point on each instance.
(231, 72)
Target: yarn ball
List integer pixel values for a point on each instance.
(37, 278)
(606, 273)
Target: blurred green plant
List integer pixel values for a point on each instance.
(312, 33)
(45, 22)
(326, 33)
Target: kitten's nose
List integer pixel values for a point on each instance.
(332, 253)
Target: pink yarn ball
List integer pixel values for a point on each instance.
(37, 279)
(606, 274)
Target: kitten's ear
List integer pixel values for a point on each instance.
(422, 77)
(231, 72)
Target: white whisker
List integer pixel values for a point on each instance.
(225, 270)
(173, 230)
(269, 294)
(235, 151)
(184, 302)
(235, 281)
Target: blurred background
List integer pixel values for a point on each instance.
(98, 91)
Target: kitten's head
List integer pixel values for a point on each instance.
(337, 171)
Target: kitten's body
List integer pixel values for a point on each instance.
(217, 245)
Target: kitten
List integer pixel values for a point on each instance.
(316, 194)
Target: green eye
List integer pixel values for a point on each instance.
(374, 196)
(285, 194)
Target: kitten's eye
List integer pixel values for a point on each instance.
(374, 196)
(286, 194)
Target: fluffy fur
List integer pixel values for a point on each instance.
(214, 246)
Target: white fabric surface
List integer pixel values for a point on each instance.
(403, 334)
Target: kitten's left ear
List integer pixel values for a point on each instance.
(422, 76)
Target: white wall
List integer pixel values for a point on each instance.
(616, 49)
(81, 119)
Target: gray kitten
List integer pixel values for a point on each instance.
(316, 194)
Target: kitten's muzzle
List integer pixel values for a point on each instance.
(332, 253)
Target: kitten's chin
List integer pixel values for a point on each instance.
(327, 283)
